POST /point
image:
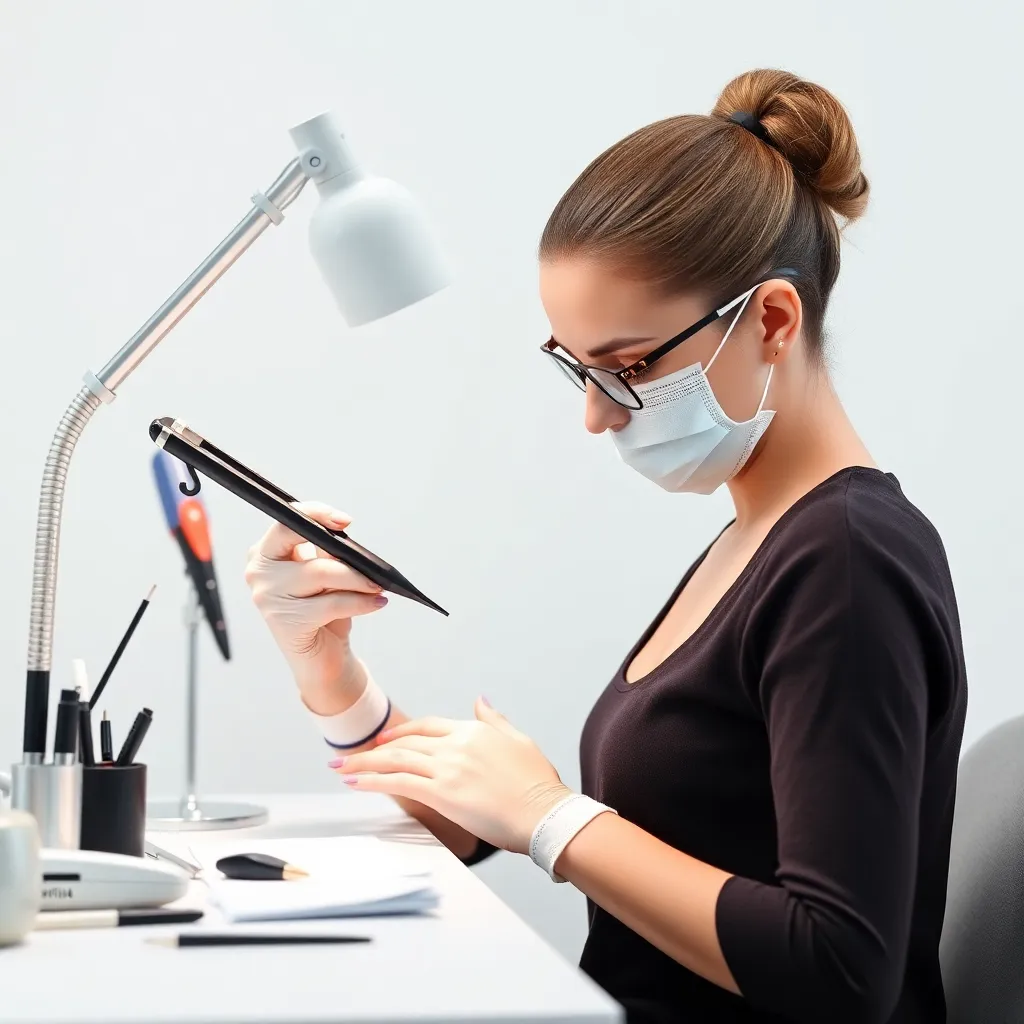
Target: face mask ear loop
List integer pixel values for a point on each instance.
(735, 321)
(767, 385)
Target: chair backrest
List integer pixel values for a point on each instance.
(982, 949)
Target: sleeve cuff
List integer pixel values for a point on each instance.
(482, 852)
(746, 917)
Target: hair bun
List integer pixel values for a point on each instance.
(808, 126)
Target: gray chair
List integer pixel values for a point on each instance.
(982, 949)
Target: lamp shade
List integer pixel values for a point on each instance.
(368, 236)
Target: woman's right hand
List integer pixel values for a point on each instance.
(308, 600)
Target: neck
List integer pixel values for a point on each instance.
(800, 449)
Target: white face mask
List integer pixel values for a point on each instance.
(682, 439)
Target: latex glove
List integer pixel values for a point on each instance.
(484, 774)
(308, 600)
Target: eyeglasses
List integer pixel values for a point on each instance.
(616, 383)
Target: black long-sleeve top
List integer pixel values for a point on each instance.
(805, 739)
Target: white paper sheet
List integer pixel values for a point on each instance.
(349, 876)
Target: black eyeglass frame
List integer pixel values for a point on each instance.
(582, 371)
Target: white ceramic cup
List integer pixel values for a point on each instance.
(21, 876)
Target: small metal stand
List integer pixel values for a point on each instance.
(188, 814)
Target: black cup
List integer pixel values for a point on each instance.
(114, 809)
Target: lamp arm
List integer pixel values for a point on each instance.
(100, 388)
(266, 210)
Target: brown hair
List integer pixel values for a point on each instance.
(700, 202)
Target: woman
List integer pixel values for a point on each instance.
(768, 781)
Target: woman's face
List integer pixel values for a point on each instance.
(604, 319)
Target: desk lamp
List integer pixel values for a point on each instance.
(376, 254)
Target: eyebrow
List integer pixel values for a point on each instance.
(607, 347)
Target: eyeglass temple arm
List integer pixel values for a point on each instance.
(664, 349)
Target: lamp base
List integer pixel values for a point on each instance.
(190, 816)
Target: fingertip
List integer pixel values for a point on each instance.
(358, 602)
(326, 515)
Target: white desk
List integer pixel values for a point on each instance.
(471, 960)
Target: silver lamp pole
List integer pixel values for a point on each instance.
(188, 814)
(376, 254)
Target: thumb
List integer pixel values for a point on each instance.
(485, 713)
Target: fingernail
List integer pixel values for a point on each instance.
(338, 762)
(340, 518)
(384, 736)
(380, 600)
(350, 780)
(486, 701)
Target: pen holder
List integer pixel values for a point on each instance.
(114, 809)
(52, 794)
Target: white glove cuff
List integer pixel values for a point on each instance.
(360, 723)
(553, 833)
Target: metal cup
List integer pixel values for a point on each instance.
(52, 794)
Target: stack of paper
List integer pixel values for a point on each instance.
(349, 876)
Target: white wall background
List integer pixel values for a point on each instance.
(133, 134)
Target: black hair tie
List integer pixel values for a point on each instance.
(747, 120)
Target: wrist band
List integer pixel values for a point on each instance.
(361, 722)
(553, 833)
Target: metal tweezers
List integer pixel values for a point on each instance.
(158, 853)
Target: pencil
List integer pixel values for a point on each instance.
(203, 937)
(120, 647)
(58, 920)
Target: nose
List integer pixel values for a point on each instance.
(601, 412)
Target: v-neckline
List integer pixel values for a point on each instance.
(621, 683)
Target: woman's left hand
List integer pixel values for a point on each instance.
(484, 775)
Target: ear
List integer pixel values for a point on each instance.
(781, 316)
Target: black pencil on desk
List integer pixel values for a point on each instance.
(120, 647)
(58, 920)
(106, 740)
(207, 938)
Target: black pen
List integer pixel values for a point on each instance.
(65, 745)
(203, 937)
(106, 740)
(136, 734)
